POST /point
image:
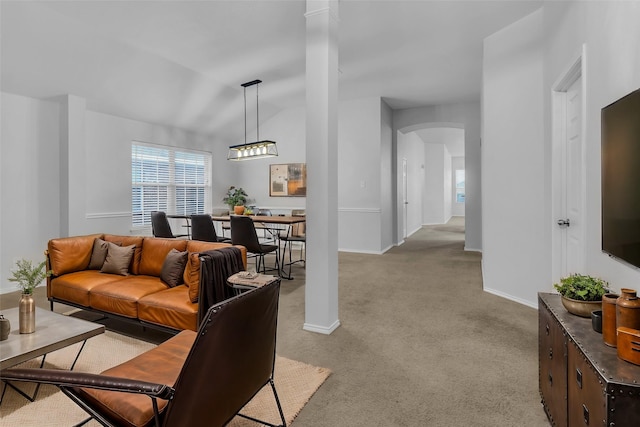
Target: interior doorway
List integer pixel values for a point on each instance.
(569, 171)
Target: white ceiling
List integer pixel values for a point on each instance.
(181, 63)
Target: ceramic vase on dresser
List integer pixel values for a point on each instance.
(609, 333)
(628, 309)
(27, 317)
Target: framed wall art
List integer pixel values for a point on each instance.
(288, 180)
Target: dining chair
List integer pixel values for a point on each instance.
(202, 228)
(296, 233)
(243, 232)
(269, 232)
(160, 226)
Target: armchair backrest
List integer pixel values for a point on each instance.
(160, 225)
(202, 228)
(231, 360)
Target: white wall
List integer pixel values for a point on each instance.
(287, 128)
(514, 226)
(80, 182)
(467, 117)
(365, 203)
(610, 34)
(457, 209)
(436, 202)
(30, 208)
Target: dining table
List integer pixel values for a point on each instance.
(286, 220)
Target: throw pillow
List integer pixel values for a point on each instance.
(173, 267)
(118, 259)
(98, 254)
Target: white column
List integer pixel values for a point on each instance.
(72, 166)
(321, 292)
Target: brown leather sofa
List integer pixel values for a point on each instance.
(138, 292)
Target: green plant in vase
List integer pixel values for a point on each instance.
(582, 294)
(28, 276)
(235, 197)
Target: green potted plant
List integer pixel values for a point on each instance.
(28, 276)
(236, 198)
(581, 294)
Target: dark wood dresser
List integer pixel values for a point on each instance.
(582, 381)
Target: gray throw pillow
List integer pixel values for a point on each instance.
(173, 267)
(98, 254)
(118, 259)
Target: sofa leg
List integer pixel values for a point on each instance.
(51, 305)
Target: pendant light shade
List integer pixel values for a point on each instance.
(257, 149)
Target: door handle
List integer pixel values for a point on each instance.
(564, 222)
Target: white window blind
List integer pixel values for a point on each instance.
(170, 180)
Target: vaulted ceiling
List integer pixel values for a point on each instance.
(181, 63)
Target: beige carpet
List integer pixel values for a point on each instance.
(295, 381)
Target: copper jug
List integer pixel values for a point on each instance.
(628, 309)
(609, 319)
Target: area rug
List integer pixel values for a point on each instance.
(295, 382)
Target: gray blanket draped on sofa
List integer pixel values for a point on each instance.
(217, 265)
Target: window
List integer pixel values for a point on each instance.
(459, 185)
(165, 179)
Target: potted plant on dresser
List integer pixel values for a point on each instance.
(236, 198)
(581, 294)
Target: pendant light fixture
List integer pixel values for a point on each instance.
(257, 149)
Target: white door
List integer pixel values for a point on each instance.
(405, 202)
(573, 188)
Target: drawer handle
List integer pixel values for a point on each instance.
(550, 379)
(585, 414)
(547, 327)
(550, 353)
(579, 379)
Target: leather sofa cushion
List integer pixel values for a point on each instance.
(154, 251)
(134, 266)
(170, 307)
(75, 287)
(136, 409)
(121, 297)
(70, 254)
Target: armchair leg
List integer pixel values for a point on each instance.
(275, 395)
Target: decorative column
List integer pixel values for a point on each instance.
(72, 165)
(321, 292)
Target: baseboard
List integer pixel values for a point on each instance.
(511, 298)
(466, 248)
(321, 329)
(361, 251)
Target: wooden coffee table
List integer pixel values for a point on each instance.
(53, 332)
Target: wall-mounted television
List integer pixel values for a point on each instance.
(621, 179)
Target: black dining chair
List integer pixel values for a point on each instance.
(202, 228)
(269, 232)
(160, 226)
(243, 232)
(295, 233)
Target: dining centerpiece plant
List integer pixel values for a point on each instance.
(581, 294)
(28, 275)
(236, 198)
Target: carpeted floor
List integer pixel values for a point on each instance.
(420, 343)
